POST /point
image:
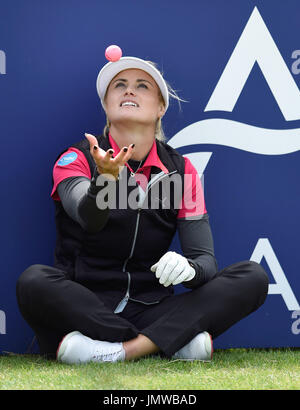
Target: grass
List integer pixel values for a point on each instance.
(234, 369)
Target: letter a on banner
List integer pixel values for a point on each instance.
(2, 323)
(256, 45)
(281, 287)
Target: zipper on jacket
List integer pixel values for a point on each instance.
(124, 301)
(122, 304)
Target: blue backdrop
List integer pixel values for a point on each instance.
(236, 62)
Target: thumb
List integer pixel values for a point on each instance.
(154, 267)
(92, 140)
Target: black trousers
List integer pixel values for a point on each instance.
(53, 305)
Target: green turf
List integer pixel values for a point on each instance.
(230, 369)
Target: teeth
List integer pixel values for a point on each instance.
(129, 103)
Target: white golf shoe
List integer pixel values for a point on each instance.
(75, 348)
(199, 348)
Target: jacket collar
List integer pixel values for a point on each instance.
(152, 160)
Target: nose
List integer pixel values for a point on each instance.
(129, 91)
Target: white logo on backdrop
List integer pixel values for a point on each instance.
(2, 62)
(282, 287)
(2, 323)
(296, 64)
(255, 45)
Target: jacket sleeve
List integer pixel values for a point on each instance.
(78, 196)
(197, 246)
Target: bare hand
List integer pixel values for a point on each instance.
(104, 160)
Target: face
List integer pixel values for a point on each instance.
(134, 96)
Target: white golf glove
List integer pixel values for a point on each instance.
(173, 268)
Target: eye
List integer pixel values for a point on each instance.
(143, 85)
(120, 84)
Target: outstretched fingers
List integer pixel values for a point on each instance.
(106, 163)
(124, 155)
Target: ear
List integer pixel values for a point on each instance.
(161, 110)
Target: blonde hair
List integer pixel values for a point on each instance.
(159, 132)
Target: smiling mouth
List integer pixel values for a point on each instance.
(128, 104)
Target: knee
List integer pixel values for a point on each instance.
(259, 272)
(258, 277)
(29, 279)
(252, 282)
(251, 275)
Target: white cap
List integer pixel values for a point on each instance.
(110, 70)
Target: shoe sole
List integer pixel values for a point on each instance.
(209, 345)
(64, 343)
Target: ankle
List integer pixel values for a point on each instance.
(130, 349)
(138, 347)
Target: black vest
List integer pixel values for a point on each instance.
(115, 262)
